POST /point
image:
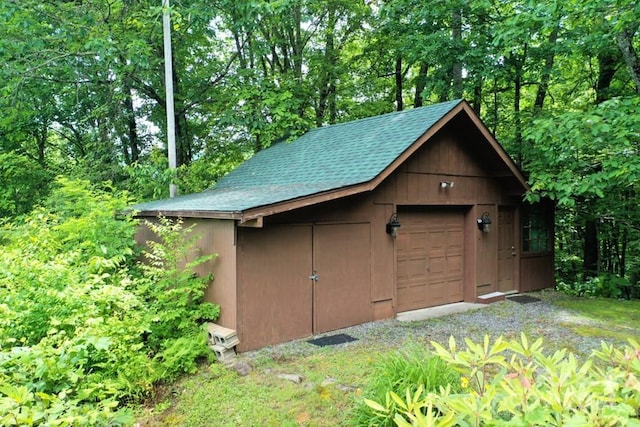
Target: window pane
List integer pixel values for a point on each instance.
(535, 230)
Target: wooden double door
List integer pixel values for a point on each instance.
(299, 280)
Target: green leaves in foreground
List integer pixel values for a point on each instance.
(412, 371)
(516, 384)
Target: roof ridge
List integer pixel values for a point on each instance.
(391, 113)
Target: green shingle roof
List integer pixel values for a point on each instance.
(323, 159)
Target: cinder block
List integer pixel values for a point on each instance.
(223, 354)
(211, 328)
(225, 337)
(227, 340)
(219, 335)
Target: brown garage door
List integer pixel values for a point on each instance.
(429, 255)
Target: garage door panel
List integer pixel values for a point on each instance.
(454, 263)
(437, 263)
(429, 255)
(412, 268)
(413, 294)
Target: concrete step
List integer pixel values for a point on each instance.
(491, 297)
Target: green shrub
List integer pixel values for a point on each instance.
(83, 328)
(605, 285)
(24, 184)
(404, 371)
(516, 384)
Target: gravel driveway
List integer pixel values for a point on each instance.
(505, 318)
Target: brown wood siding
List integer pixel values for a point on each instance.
(536, 272)
(275, 290)
(430, 258)
(217, 236)
(447, 157)
(355, 209)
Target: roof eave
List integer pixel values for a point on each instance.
(301, 202)
(189, 214)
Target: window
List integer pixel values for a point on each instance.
(536, 228)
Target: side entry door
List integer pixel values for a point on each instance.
(342, 273)
(506, 249)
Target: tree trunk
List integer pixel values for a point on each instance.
(41, 140)
(625, 43)
(590, 259)
(607, 65)
(623, 252)
(399, 77)
(183, 142)
(421, 83)
(456, 69)
(477, 96)
(131, 149)
(543, 87)
(495, 105)
(516, 111)
(327, 81)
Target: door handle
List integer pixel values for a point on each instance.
(314, 277)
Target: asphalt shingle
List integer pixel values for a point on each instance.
(323, 159)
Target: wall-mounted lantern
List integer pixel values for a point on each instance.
(393, 225)
(484, 222)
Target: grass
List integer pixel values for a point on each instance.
(219, 397)
(216, 396)
(601, 317)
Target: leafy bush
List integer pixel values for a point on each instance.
(24, 184)
(404, 371)
(83, 327)
(174, 297)
(604, 285)
(514, 383)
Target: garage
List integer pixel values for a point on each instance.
(429, 257)
(304, 231)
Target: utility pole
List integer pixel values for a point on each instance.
(168, 83)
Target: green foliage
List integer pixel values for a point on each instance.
(515, 383)
(414, 371)
(150, 180)
(595, 154)
(174, 297)
(604, 285)
(83, 328)
(24, 184)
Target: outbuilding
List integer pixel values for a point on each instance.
(359, 221)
